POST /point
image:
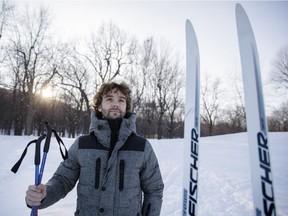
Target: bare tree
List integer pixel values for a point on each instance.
(278, 121)
(176, 105)
(109, 52)
(18, 109)
(74, 80)
(236, 118)
(210, 102)
(27, 57)
(280, 69)
(235, 113)
(5, 11)
(164, 83)
(137, 76)
(138, 73)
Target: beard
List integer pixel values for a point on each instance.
(114, 113)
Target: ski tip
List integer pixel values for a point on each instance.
(239, 7)
(239, 10)
(189, 26)
(190, 34)
(188, 23)
(242, 21)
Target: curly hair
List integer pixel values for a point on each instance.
(106, 88)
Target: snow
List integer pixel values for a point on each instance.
(224, 175)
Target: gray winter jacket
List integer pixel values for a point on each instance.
(110, 186)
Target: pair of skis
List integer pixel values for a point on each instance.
(261, 171)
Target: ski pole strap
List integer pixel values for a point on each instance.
(60, 142)
(46, 147)
(18, 163)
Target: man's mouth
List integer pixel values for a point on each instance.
(114, 110)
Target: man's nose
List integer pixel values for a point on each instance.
(115, 104)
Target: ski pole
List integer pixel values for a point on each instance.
(37, 163)
(37, 159)
(45, 151)
(39, 174)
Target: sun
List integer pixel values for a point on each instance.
(47, 93)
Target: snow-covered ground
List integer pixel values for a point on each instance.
(224, 175)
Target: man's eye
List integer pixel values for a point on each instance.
(108, 99)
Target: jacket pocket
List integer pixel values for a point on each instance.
(121, 175)
(97, 173)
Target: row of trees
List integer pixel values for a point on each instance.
(32, 60)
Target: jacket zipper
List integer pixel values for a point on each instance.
(121, 180)
(97, 173)
(148, 209)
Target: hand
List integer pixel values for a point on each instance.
(35, 194)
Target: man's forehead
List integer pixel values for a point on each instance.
(116, 92)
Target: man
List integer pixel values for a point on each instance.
(115, 168)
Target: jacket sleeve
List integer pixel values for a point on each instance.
(64, 179)
(151, 183)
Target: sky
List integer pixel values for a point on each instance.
(214, 23)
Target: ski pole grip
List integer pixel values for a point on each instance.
(48, 138)
(37, 149)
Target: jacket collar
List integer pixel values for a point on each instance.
(102, 131)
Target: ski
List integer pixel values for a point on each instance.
(261, 170)
(192, 124)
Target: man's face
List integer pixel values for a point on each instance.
(113, 105)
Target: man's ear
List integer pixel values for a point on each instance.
(100, 108)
